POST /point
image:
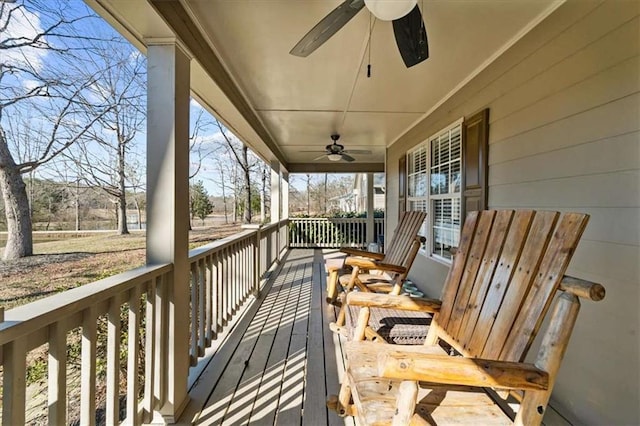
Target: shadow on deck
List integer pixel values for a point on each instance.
(280, 360)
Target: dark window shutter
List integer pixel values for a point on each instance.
(475, 140)
(402, 185)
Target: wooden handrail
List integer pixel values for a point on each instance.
(26, 319)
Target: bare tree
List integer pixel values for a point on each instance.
(137, 179)
(240, 152)
(263, 192)
(308, 181)
(106, 148)
(51, 106)
(201, 147)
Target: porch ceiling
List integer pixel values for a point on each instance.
(283, 105)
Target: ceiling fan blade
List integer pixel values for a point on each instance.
(411, 37)
(320, 158)
(357, 151)
(347, 157)
(327, 27)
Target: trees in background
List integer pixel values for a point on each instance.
(43, 109)
(200, 204)
(103, 154)
(245, 164)
(317, 194)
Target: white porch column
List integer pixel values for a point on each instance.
(370, 208)
(168, 68)
(276, 199)
(285, 195)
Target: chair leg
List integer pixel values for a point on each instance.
(406, 403)
(332, 285)
(341, 403)
(342, 314)
(344, 400)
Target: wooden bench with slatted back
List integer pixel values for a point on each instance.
(508, 268)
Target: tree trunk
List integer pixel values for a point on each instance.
(247, 184)
(224, 197)
(14, 194)
(123, 229)
(263, 196)
(77, 205)
(325, 193)
(235, 193)
(308, 194)
(122, 196)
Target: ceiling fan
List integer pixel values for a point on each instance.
(336, 152)
(408, 27)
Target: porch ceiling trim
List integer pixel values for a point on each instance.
(336, 167)
(177, 17)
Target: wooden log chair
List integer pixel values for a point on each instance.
(382, 272)
(508, 270)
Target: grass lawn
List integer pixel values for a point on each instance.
(63, 264)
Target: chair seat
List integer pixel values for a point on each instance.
(394, 326)
(375, 397)
(366, 279)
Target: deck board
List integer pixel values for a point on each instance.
(283, 362)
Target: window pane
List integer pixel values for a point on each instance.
(437, 180)
(455, 177)
(411, 183)
(421, 185)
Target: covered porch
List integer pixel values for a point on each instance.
(214, 335)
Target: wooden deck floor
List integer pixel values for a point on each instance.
(280, 361)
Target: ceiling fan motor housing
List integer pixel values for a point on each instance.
(335, 147)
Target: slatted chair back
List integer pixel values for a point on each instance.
(507, 269)
(403, 237)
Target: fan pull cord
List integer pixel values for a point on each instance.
(369, 46)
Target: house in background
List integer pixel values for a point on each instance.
(360, 186)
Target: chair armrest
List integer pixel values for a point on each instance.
(388, 301)
(362, 253)
(372, 264)
(413, 365)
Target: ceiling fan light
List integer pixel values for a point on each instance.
(334, 157)
(388, 10)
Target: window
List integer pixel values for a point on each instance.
(434, 185)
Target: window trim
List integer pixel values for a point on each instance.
(428, 249)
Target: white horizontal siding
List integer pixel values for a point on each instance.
(619, 189)
(613, 154)
(601, 122)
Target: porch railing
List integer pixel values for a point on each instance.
(223, 275)
(331, 232)
(139, 292)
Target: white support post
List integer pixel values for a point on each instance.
(275, 192)
(370, 209)
(285, 205)
(285, 195)
(168, 70)
(276, 202)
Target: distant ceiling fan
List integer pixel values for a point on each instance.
(408, 27)
(336, 152)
